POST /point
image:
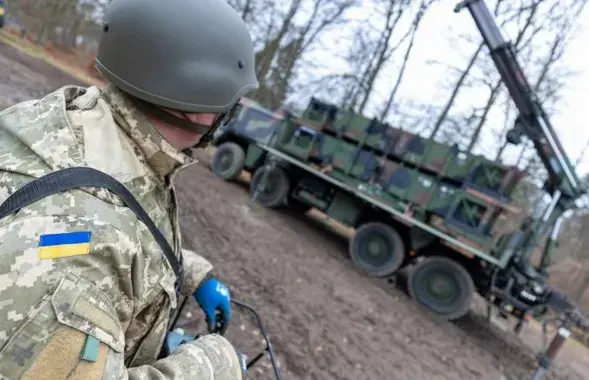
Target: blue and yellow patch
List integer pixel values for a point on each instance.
(67, 244)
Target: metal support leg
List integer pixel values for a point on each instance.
(489, 311)
(547, 357)
(520, 325)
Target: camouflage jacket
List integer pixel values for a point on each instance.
(85, 292)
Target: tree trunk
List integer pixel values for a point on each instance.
(390, 101)
(483, 118)
(455, 92)
(269, 51)
(506, 126)
(382, 52)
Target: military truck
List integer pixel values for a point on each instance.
(414, 202)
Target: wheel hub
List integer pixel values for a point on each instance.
(377, 250)
(374, 248)
(441, 287)
(225, 160)
(270, 186)
(266, 184)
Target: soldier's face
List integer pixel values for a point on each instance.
(182, 138)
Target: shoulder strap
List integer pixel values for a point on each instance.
(70, 178)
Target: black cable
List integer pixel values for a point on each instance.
(264, 334)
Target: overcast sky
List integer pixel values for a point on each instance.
(434, 42)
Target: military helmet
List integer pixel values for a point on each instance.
(186, 55)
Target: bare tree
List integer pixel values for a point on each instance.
(280, 60)
(470, 65)
(246, 8)
(380, 51)
(59, 22)
(459, 83)
(496, 86)
(506, 125)
(582, 154)
(550, 77)
(423, 7)
(360, 53)
(265, 57)
(395, 10)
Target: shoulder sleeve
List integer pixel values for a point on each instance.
(209, 357)
(196, 269)
(70, 287)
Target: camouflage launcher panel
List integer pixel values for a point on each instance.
(465, 209)
(462, 194)
(441, 160)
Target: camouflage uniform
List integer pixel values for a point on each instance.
(120, 294)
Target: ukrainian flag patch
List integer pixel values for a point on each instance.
(67, 244)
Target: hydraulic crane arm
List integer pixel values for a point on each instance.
(532, 120)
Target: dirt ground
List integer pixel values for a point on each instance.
(23, 78)
(326, 319)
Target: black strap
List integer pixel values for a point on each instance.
(157, 112)
(70, 178)
(206, 131)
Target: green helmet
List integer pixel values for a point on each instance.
(187, 55)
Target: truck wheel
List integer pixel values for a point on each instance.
(442, 286)
(377, 248)
(274, 191)
(227, 163)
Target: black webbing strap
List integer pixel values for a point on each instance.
(70, 178)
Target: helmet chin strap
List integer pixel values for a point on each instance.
(206, 131)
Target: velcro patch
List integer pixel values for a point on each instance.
(90, 350)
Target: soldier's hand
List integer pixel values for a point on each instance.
(214, 299)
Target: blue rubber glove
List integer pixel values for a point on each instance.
(174, 339)
(213, 297)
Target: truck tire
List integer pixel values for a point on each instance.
(377, 248)
(276, 189)
(227, 163)
(442, 286)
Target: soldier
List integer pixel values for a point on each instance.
(85, 292)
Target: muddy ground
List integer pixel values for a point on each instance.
(22, 77)
(326, 319)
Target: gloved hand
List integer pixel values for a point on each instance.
(174, 339)
(213, 297)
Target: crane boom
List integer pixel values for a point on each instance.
(532, 121)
